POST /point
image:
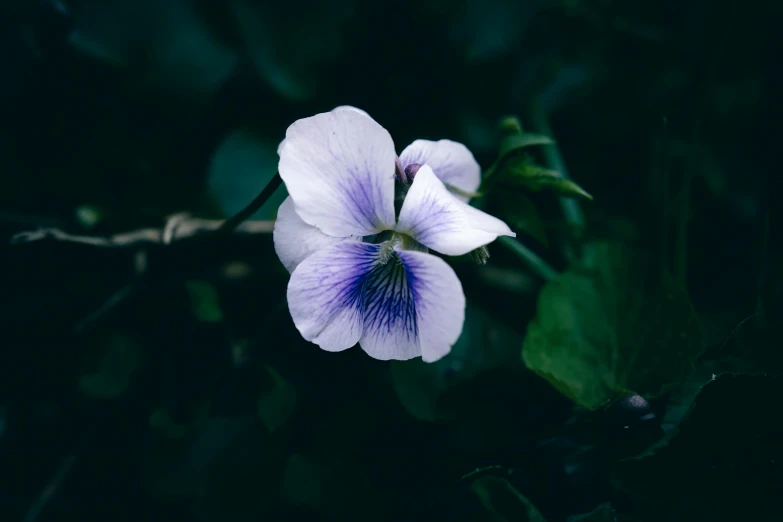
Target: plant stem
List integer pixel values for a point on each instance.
(538, 265)
(230, 224)
(554, 160)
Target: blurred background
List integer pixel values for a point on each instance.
(144, 376)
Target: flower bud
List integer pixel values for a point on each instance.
(411, 170)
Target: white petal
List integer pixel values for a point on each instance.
(413, 305)
(295, 240)
(390, 326)
(438, 220)
(339, 108)
(350, 108)
(325, 294)
(338, 168)
(439, 303)
(410, 306)
(452, 163)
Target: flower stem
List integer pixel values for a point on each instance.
(538, 265)
(230, 224)
(554, 160)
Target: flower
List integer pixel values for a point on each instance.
(360, 268)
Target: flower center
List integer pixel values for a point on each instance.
(388, 239)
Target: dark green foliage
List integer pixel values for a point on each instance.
(612, 324)
(621, 359)
(725, 459)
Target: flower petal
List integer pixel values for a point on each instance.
(295, 240)
(409, 306)
(350, 108)
(339, 108)
(452, 163)
(325, 294)
(390, 325)
(338, 168)
(413, 305)
(438, 220)
(439, 302)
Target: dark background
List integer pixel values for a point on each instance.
(156, 381)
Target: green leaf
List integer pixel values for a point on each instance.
(610, 325)
(510, 125)
(418, 386)
(753, 346)
(564, 187)
(514, 143)
(537, 178)
(485, 343)
(503, 502)
(242, 165)
(88, 215)
(331, 484)
(726, 455)
(119, 358)
(277, 400)
(204, 300)
(521, 214)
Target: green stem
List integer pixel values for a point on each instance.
(554, 160)
(538, 265)
(232, 223)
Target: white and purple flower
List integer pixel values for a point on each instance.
(360, 267)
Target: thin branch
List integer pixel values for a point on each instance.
(175, 230)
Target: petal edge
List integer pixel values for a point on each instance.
(451, 161)
(338, 168)
(295, 240)
(435, 218)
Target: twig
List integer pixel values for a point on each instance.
(177, 228)
(538, 265)
(176, 231)
(230, 224)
